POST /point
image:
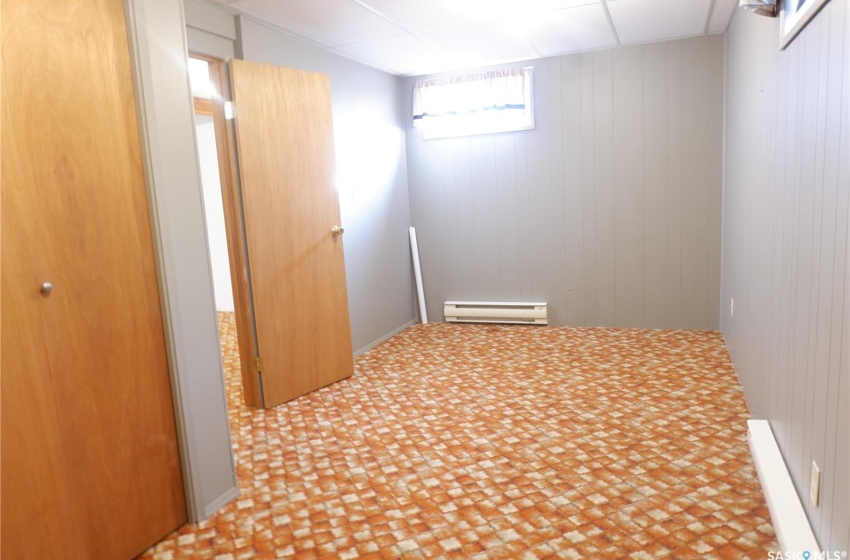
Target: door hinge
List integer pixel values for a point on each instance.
(258, 364)
(228, 110)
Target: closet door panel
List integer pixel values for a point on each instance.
(75, 215)
(36, 501)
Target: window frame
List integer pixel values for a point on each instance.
(490, 121)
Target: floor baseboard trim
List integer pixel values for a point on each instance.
(220, 502)
(384, 338)
(790, 523)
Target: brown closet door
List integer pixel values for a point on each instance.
(90, 466)
(284, 132)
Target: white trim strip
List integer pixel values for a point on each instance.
(420, 290)
(792, 528)
(384, 338)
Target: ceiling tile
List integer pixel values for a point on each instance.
(641, 21)
(329, 22)
(453, 34)
(482, 43)
(570, 30)
(722, 15)
(423, 15)
(426, 15)
(404, 55)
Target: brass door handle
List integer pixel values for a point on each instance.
(336, 230)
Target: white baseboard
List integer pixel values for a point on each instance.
(383, 338)
(220, 502)
(790, 523)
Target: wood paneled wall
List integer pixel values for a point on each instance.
(785, 247)
(609, 209)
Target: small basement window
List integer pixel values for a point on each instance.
(480, 103)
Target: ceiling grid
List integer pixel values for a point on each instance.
(415, 37)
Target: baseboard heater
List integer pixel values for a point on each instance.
(516, 313)
(793, 532)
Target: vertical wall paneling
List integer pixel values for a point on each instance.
(715, 177)
(506, 188)
(834, 521)
(573, 154)
(786, 202)
(606, 209)
(775, 200)
(818, 259)
(629, 209)
(606, 245)
(557, 134)
(793, 152)
(772, 191)
(428, 240)
(655, 103)
(485, 217)
(465, 220)
(588, 190)
(541, 246)
(785, 179)
(696, 127)
(804, 183)
(523, 231)
(823, 259)
(833, 329)
(673, 272)
(448, 233)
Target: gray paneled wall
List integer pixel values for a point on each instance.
(785, 247)
(609, 210)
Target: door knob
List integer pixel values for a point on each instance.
(46, 288)
(336, 230)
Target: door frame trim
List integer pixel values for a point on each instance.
(158, 53)
(234, 225)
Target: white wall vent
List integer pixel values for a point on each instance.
(522, 313)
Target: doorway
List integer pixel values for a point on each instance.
(203, 92)
(222, 209)
(277, 230)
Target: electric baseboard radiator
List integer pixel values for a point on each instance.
(792, 528)
(522, 313)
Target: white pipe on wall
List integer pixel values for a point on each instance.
(414, 247)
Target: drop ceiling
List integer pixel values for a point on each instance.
(415, 37)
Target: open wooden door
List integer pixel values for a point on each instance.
(90, 464)
(290, 205)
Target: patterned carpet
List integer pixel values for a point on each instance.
(474, 441)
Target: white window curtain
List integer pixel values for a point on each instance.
(497, 90)
(761, 7)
